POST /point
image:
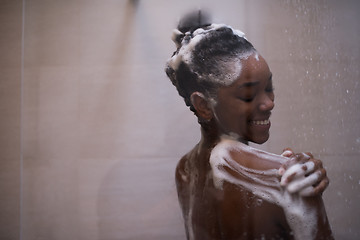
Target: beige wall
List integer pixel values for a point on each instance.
(10, 101)
(91, 128)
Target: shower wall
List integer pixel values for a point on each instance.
(10, 109)
(92, 129)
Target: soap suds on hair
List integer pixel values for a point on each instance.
(188, 43)
(265, 184)
(229, 69)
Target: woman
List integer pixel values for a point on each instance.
(226, 189)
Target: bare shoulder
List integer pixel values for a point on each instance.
(232, 152)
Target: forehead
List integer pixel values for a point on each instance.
(253, 68)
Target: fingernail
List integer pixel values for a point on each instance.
(287, 153)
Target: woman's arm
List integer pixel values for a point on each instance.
(258, 172)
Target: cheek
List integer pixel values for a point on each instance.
(233, 116)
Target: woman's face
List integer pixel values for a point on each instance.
(243, 108)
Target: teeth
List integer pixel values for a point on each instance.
(265, 122)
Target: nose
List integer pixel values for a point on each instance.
(267, 102)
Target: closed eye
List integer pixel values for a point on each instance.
(247, 94)
(270, 89)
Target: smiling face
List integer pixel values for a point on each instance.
(243, 108)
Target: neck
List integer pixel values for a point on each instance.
(210, 136)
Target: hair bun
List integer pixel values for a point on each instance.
(194, 20)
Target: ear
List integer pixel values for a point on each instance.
(201, 105)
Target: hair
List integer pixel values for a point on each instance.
(207, 56)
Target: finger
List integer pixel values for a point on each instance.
(292, 161)
(309, 154)
(302, 183)
(307, 192)
(295, 171)
(287, 152)
(297, 158)
(313, 191)
(302, 157)
(320, 188)
(288, 149)
(318, 164)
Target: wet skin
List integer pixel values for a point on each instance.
(231, 213)
(243, 109)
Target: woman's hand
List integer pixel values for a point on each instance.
(303, 174)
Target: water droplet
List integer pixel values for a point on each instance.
(259, 202)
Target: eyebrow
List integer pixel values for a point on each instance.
(251, 84)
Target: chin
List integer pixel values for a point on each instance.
(260, 140)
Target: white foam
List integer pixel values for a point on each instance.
(257, 56)
(297, 170)
(301, 217)
(212, 102)
(287, 153)
(229, 70)
(175, 35)
(305, 183)
(239, 33)
(187, 45)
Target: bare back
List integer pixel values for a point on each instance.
(229, 213)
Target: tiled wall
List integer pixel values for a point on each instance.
(101, 128)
